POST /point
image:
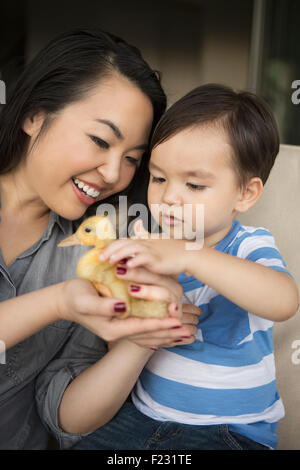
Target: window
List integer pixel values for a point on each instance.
(280, 65)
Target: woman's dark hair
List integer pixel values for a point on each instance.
(62, 73)
(247, 120)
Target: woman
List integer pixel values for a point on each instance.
(83, 109)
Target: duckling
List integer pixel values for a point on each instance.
(98, 231)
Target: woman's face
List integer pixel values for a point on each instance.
(91, 149)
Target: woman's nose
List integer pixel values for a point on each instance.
(110, 171)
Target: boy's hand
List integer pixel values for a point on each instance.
(159, 256)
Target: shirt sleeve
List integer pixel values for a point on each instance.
(82, 349)
(259, 247)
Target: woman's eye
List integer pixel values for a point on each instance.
(100, 142)
(198, 187)
(133, 161)
(155, 179)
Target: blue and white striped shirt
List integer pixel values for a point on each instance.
(227, 376)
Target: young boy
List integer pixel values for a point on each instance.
(216, 148)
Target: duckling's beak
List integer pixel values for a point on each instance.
(70, 241)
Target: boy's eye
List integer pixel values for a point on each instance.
(198, 187)
(155, 179)
(100, 142)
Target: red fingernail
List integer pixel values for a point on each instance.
(134, 288)
(185, 337)
(123, 261)
(178, 326)
(120, 307)
(177, 340)
(176, 307)
(121, 270)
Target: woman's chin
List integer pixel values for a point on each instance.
(69, 213)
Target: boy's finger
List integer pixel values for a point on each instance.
(190, 319)
(125, 252)
(189, 308)
(111, 248)
(141, 259)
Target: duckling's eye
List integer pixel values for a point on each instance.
(87, 229)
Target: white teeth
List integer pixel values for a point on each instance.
(84, 187)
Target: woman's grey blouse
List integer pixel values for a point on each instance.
(35, 373)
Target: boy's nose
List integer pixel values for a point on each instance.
(171, 197)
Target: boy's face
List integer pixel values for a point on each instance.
(194, 167)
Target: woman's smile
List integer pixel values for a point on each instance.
(87, 193)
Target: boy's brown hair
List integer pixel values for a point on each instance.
(247, 120)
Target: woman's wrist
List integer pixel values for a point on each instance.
(131, 345)
(61, 310)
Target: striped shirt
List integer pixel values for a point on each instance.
(227, 376)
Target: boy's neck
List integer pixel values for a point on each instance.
(211, 241)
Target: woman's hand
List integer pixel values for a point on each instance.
(152, 286)
(179, 335)
(78, 301)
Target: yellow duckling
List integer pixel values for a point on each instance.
(98, 231)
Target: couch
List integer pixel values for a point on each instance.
(279, 211)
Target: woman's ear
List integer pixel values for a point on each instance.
(249, 195)
(33, 123)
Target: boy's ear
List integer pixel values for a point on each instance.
(33, 123)
(249, 195)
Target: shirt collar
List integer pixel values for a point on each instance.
(64, 224)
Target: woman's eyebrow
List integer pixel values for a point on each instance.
(141, 147)
(119, 134)
(113, 127)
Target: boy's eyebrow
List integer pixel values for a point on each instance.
(199, 173)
